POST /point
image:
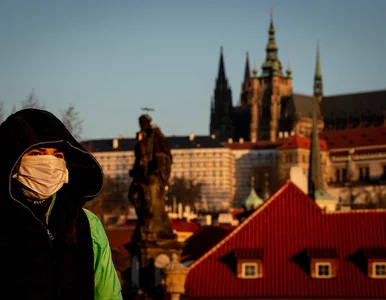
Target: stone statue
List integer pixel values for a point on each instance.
(151, 172)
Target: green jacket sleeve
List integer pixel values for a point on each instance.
(107, 285)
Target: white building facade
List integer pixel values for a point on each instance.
(200, 159)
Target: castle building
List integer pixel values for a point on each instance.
(268, 108)
(201, 159)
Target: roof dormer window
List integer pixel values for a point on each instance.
(249, 270)
(323, 262)
(323, 270)
(371, 261)
(379, 269)
(249, 263)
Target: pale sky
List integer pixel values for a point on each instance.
(110, 58)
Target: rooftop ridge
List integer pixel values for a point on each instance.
(356, 211)
(357, 93)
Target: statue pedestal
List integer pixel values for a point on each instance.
(153, 257)
(150, 250)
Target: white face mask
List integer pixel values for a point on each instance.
(44, 175)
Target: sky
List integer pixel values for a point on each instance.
(111, 58)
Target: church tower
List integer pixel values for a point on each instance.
(221, 108)
(273, 86)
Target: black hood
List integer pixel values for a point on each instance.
(29, 128)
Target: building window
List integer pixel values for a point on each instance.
(379, 270)
(337, 175)
(323, 270)
(344, 175)
(249, 270)
(364, 173)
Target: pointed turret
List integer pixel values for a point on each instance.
(247, 73)
(289, 71)
(221, 78)
(269, 66)
(254, 71)
(318, 80)
(246, 87)
(315, 174)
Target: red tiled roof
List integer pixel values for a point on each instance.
(249, 253)
(354, 138)
(121, 234)
(255, 145)
(375, 252)
(203, 240)
(322, 252)
(285, 227)
(302, 142)
(184, 226)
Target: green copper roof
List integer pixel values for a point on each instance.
(289, 71)
(253, 201)
(272, 65)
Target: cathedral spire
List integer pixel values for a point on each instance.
(221, 78)
(318, 80)
(272, 63)
(246, 86)
(315, 174)
(247, 73)
(221, 120)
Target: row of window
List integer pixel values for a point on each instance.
(253, 270)
(199, 154)
(198, 164)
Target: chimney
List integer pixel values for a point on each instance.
(115, 143)
(191, 137)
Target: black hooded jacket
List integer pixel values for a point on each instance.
(40, 261)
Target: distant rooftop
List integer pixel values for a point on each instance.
(128, 144)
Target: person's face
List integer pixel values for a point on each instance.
(45, 151)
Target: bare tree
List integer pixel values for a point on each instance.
(185, 191)
(71, 119)
(32, 101)
(112, 199)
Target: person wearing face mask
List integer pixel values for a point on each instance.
(51, 248)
